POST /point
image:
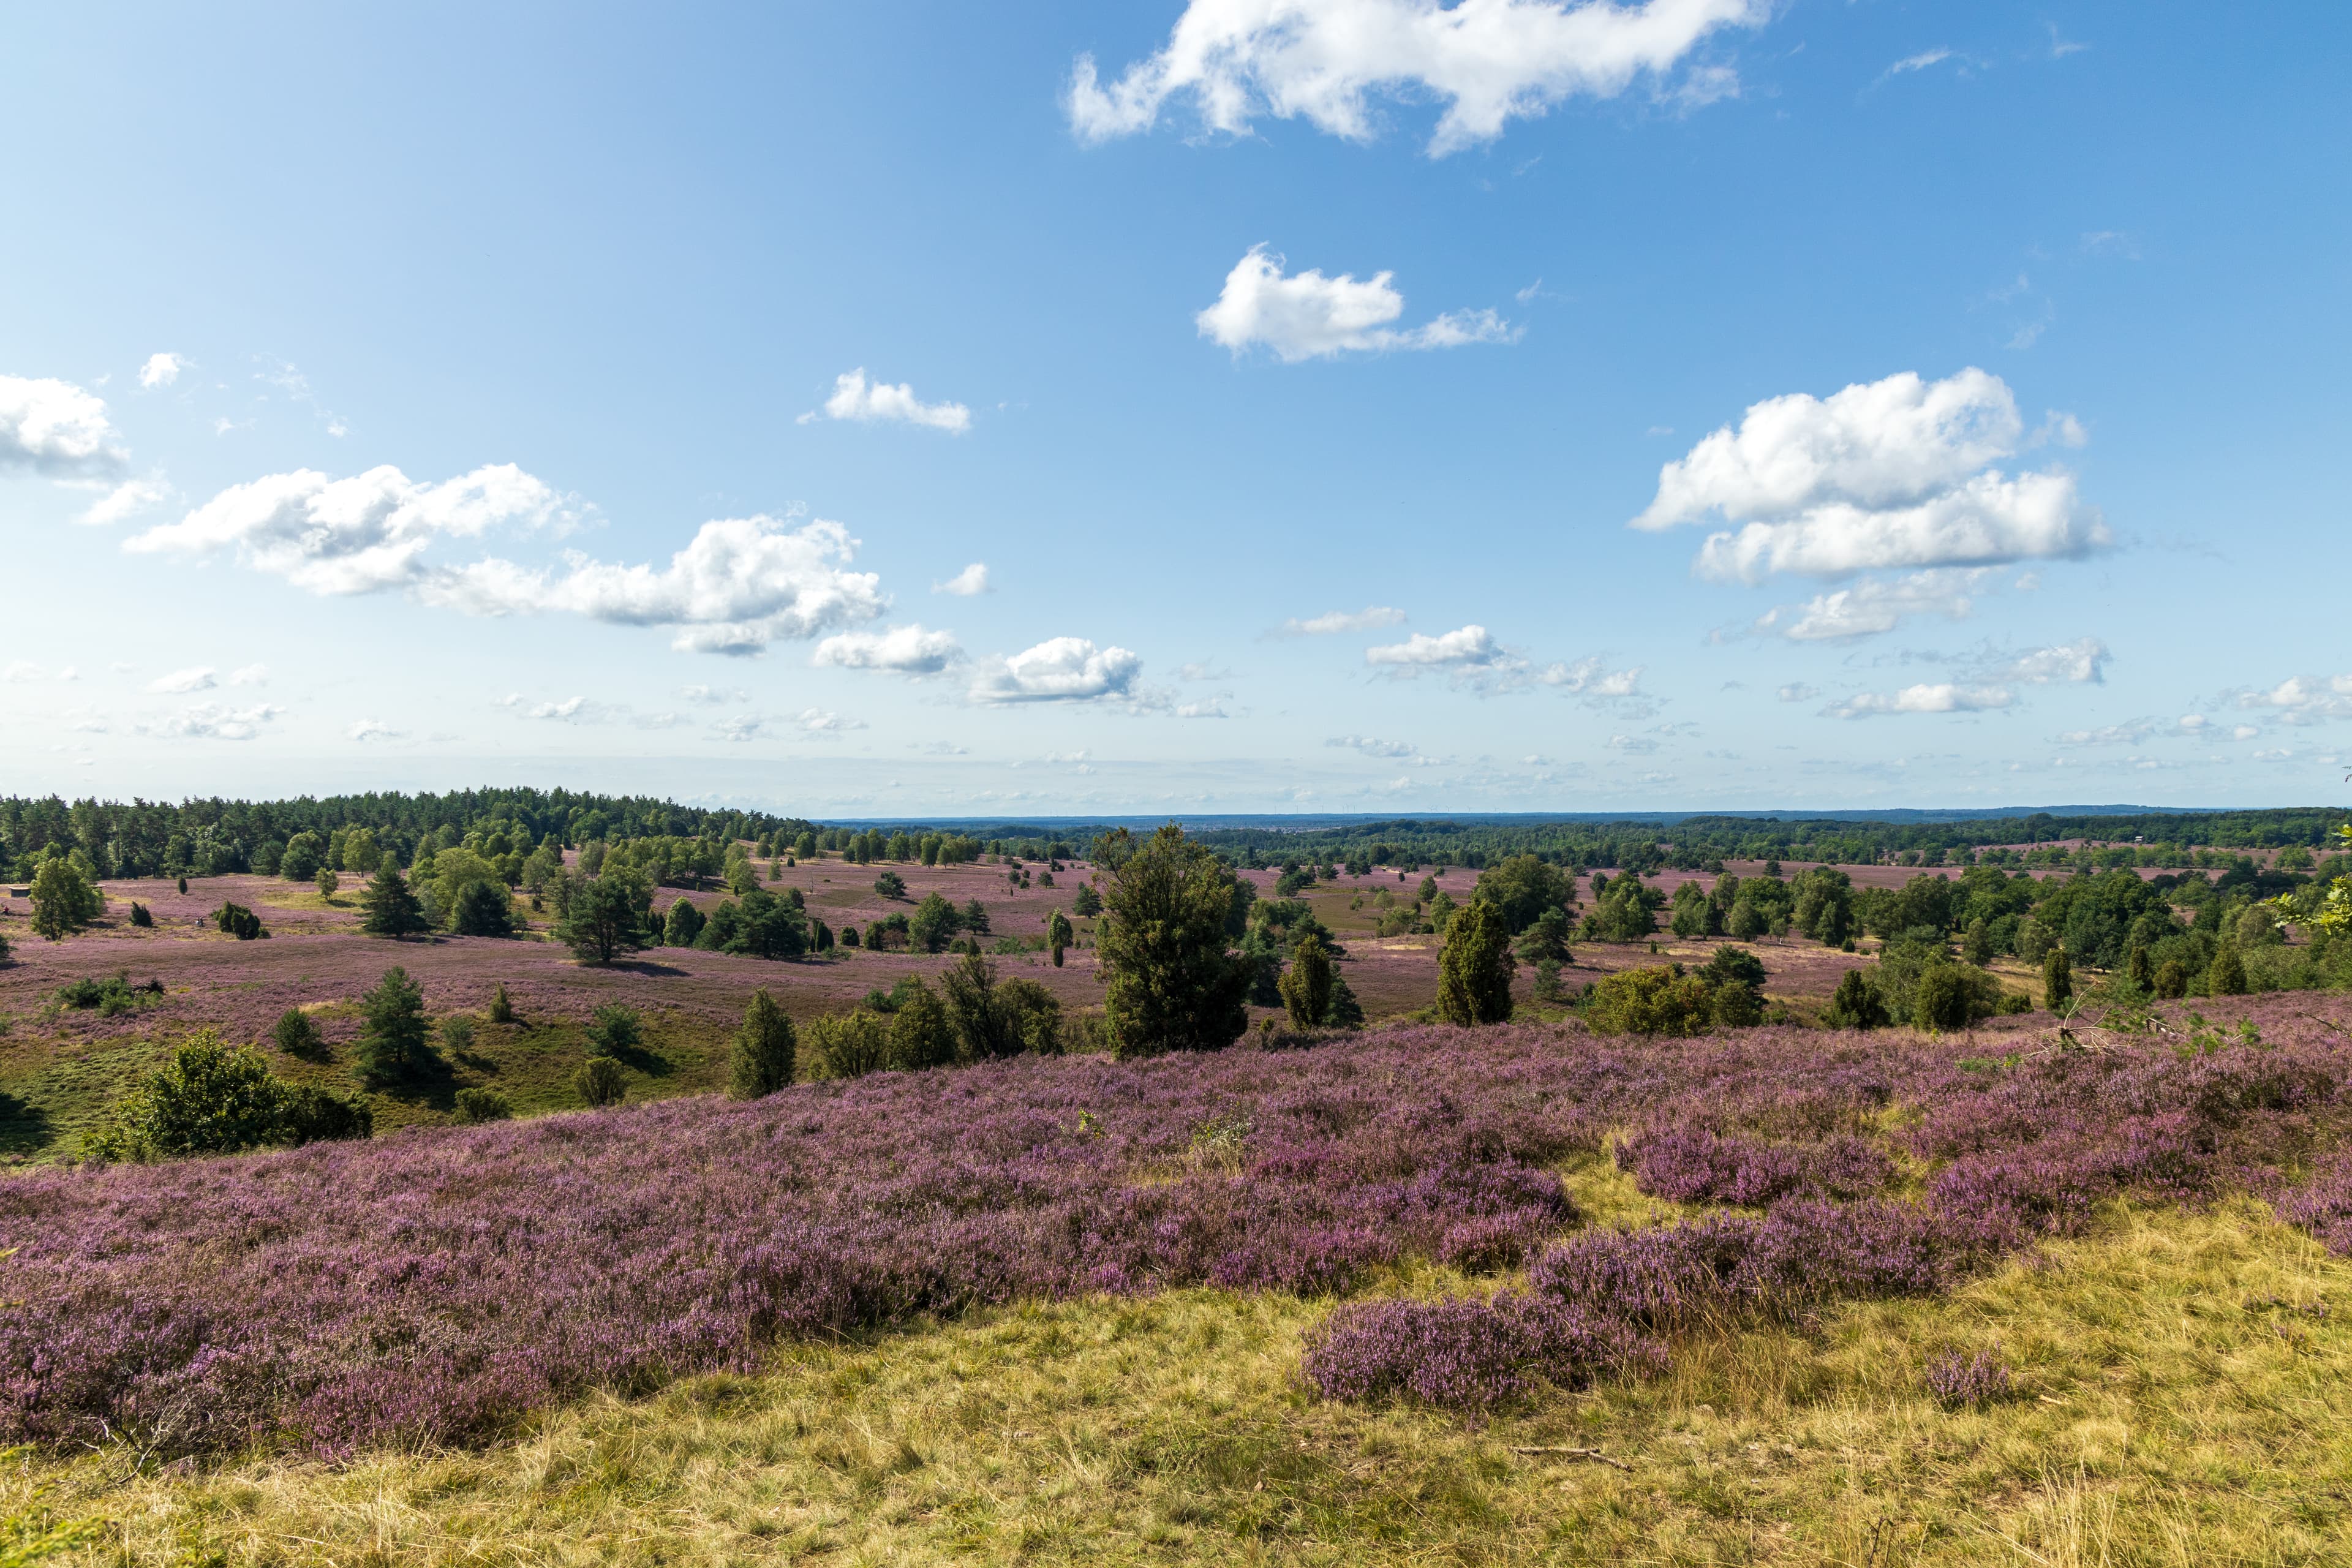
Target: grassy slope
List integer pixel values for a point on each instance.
(2174, 1407)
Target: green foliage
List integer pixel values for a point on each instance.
(1949, 996)
(483, 908)
(922, 1034)
(391, 910)
(64, 901)
(1857, 1005)
(1475, 967)
(2171, 980)
(601, 1081)
(212, 1099)
(1626, 911)
(392, 1044)
(932, 925)
(761, 1059)
(614, 1028)
(477, 1105)
(994, 1017)
(113, 997)
(684, 925)
(2227, 977)
(1442, 911)
(237, 920)
(1058, 935)
(457, 1033)
(1305, 986)
(329, 884)
(1546, 941)
(1525, 887)
(605, 916)
(1171, 982)
(2057, 978)
(140, 916)
(1655, 999)
(1747, 921)
(297, 1034)
(501, 1009)
(2140, 970)
(1733, 966)
(848, 1045)
(890, 885)
(1086, 903)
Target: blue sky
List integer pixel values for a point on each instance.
(1704, 403)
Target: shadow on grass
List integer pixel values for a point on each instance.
(652, 1063)
(643, 966)
(24, 1129)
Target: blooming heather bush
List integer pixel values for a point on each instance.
(1693, 1165)
(1968, 1379)
(2323, 1206)
(438, 1287)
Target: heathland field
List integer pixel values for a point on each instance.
(1869, 1258)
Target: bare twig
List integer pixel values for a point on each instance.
(1595, 1454)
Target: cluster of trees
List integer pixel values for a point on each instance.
(974, 1016)
(760, 924)
(215, 837)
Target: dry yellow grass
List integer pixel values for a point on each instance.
(2180, 1401)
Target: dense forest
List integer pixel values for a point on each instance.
(148, 838)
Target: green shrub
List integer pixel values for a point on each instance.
(1656, 999)
(847, 1044)
(761, 1059)
(1857, 1005)
(501, 1010)
(297, 1034)
(211, 1098)
(614, 1028)
(458, 1033)
(394, 1043)
(601, 1081)
(476, 1106)
(239, 921)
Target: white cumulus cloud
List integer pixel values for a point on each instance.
(355, 535)
(1876, 605)
(126, 500)
(1465, 647)
(1488, 61)
(1372, 617)
(1890, 474)
(817, 721)
(1592, 678)
(56, 427)
(1372, 746)
(161, 369)
(907, 650)
(2304, 699)
(213, 721)
(972, 580)
(2082, 661)
(1941, 697)
(371, 729)
(854, 397)
(739, 584)
(1308, 316)
(1059, 670)
(199, 678)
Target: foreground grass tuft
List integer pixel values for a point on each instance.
(2180, 1395)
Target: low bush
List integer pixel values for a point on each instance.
(601, 1081)
(211, 1098)
(614, 1028)
(297, 1034)
(475, 1106)
(1655, 999)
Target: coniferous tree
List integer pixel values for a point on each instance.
(1305, 986)
(1171, 980)
(2057, 978)
(484, 909)
(2227, 976)
(762, 1059)
(1057, 935)
(606, 917)
(393, 1044)
(1857, 1005)
(1474, 969)
(2141, 970)
(501, 1008)
(391, 909)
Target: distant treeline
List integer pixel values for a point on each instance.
(148, 838)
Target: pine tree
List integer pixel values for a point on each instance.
(1475, 970)
(392, 910)
(1171, 980)
(1057, 935)
(1856, 1005)
(501, 1010)
(393, 1044)
(2142, 972)
(764, 1049)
